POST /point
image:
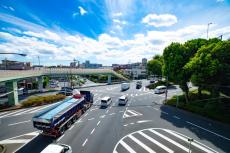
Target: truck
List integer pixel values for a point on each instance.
(54, 120)
(125, 86)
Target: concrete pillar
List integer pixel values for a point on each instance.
(40, 83)
(109, 79)
(12, 89)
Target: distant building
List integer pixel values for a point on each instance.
(89, 65)
(14, 65)
(134, 70)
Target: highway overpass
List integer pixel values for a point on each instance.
(11, 77)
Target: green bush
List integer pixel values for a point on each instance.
(204, 105)
(40, 100)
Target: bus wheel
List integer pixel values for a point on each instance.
(62, 130)
(74, 119)
(68, 124)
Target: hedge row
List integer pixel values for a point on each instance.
(208, 107)
(41, 100)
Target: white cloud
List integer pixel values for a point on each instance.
(162, 20)
(107, 49)
(117, 14)
(8, 7)
(82, 10)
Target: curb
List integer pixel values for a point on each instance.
(3, 148)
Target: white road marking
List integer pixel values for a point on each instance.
(121, 111)
(8, 141)
(71, 127)
(208, 130)
(156, 108)
(141, 144)
(28, 110)
(128, 104)
(91, 118)
(98, 123)
(156, 142)
(176, 117)
(169, 140)
(107, 111)
(127, 147)
(60, 137)
(85, 114)
(102, 116)
(144, 121)
(136, 94)
(186, 140)
(126, 125)
(14, 112)
(112, 114)
(92, 131)
(3, 113)
(19, 123)
(131, 123)
(84, 142)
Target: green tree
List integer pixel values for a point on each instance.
(154, 67)
(210, 67)
(175, 58)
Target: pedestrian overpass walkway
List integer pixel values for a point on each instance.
(9, 75)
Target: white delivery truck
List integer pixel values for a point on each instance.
(125, 86)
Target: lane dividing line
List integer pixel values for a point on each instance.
(156, 108)
(107, 111)
(19, 123)
(92, 131)
(91, 119)
(71, 127)
(98, 123)
(121, 111)
(208, 130)
(176, 117)
(85, 114)
(60, 137)
(84, 142)
(112, 114)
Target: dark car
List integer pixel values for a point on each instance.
(66, 91)
(152, 81)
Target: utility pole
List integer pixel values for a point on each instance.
(208, 29)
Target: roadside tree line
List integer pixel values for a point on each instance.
(206, 63)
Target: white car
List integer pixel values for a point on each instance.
(105, 101)
(123, 100)
(160, 89)
(57, 148)
(125, 86)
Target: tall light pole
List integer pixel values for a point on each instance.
(208, 28)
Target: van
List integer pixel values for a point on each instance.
(123, 100)
(57, 148)
(105, 101)
(160, 89)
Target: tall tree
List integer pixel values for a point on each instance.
(154, 67)
(175, 57)
(211, 66)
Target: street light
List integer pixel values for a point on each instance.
(208, 28)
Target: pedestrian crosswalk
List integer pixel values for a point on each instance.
(24, 111)
(156, 140)
(15, 143)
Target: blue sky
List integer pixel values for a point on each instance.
(105, 31)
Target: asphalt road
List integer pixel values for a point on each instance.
(143, 125)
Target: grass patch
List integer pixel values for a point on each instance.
(214, 108)
(41, 100)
